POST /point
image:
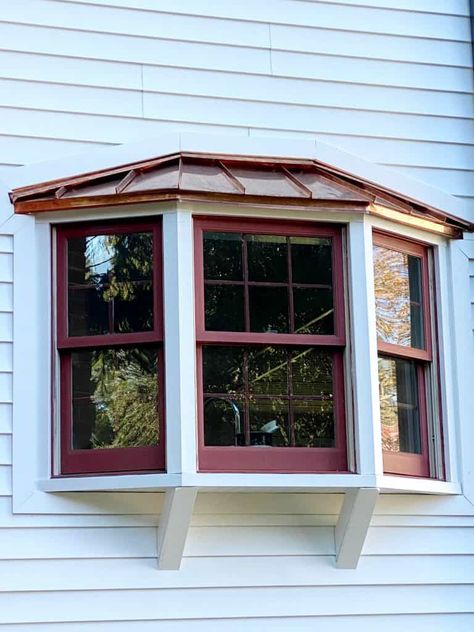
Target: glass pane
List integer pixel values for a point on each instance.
(269, 423)
(267, 258)
(314, 423)
(268, 309)
(311, 260)
(224, 307)
(311, 373)
(223, 421)
(222, 369)
(399, 410)
(268, 371)
(223, 256)
(398, 298)
(314, 312)
(114, 398)
(110, 279)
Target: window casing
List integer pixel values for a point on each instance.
(405, 353)
(271, 421)
(109, 344)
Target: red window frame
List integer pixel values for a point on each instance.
(274, 459)
(404, 463)
(105, 460)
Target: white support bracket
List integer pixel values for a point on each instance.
(174, 524)
(353, 524)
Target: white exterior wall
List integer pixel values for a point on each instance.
(389, 80)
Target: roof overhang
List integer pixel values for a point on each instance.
(236, 179)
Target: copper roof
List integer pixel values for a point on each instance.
(252, 180)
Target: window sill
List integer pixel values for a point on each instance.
(279, 482)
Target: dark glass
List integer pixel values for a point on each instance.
(268, 371)
(314, 311)
(398, 298)
(268, 308)
(115, 398)
(223, 421)
(311, 373)
(314, 423)
(399, 410)
(311, 260)
(269, 396)
(269, 423)
(267, 257)
(222, 369)
(110, 284)
(223, 256)
(224, 307)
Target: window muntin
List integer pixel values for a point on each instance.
(270, 347)
(404, 343)
(109, 341)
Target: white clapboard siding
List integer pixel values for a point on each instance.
(232, 572)
(319, 14)
(5, 481)
(232, 603)
(390, 623)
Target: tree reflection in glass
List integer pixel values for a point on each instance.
(398, 298)
(115, 398)
(110, 284)
(399, 411)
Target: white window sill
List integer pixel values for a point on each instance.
(250, 482)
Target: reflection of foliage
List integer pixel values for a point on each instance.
(125, 398)
(392, 295)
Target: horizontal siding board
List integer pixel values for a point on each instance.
(5, 449)
(74, 98)
(29, 150)
(130, 21)
(208, 110)
(6, 297)
(457, 182)
(304, 92)
(371, 71)
(6, 267)
(447, 7)
(5, 482)
(347, 44)
(6, 415)
(326, 15)
(102, 46)
(234, 603)
(239, 572)
(390, 623)
(6, 386)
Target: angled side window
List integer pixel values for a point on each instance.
(109, 346)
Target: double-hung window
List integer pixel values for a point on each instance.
(109, 348)
(270, 346)
(404, 334)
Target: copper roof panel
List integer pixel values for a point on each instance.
(162, 178)
(323, 188)
(206, 177)
(267, 182)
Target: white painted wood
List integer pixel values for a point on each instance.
(274, 602)
(352, 526)
(5, 480)
(5, 449)
(181, 406)
(389, 623)
(173, 527)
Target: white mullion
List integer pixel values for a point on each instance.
(180, 342)
(368, 438)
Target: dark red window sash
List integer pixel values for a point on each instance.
(404, 463)
(274, 459)
(106, 460)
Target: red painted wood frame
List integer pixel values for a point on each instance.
(406, 463)
(106, 460)
(274, 459)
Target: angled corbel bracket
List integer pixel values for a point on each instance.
(353, 524)
(174, 524)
